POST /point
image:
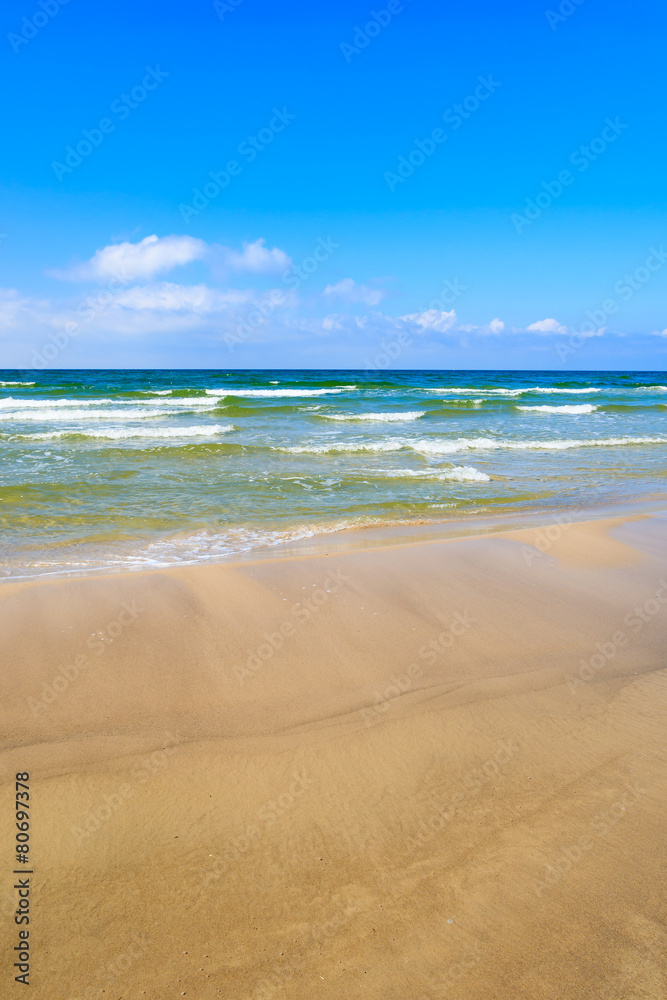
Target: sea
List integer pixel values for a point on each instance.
(106, 470)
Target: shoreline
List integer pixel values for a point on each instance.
(360, 536)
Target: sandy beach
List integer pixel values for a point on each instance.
(406, 772)
(333, 502)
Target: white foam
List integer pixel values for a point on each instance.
(565, 392)
(388, 418)
(581, 408)
(464, 474)
(493, 444)
(123, 433)
(10, 403)
(185, 550)
(474, 403)
(277, 393)
(18, 383)
(60, 416)
(448, 447)
(509, 392)
(324, 449)
(457, 390)
(460, 473)
(187, 402)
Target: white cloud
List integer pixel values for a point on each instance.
(257, 259)
(330, 323)
(349, 291)
(168, 297)
(165, 308)
(496, 326)
(547, 326)
(11, 307)
(19, 312)
(129, 261)
(601, 330)
(432, 319)
(659, 333)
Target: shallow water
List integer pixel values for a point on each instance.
(148, 468)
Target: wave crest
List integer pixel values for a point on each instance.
(123, 433)
(387, 418)
(573, 409)
(433, 448)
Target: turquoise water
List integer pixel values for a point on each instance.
(147, 468)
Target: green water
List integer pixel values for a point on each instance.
(147, 468)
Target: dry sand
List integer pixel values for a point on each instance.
(403, 773)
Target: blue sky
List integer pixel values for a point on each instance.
(418, 145)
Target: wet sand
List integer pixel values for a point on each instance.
(434, 769)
